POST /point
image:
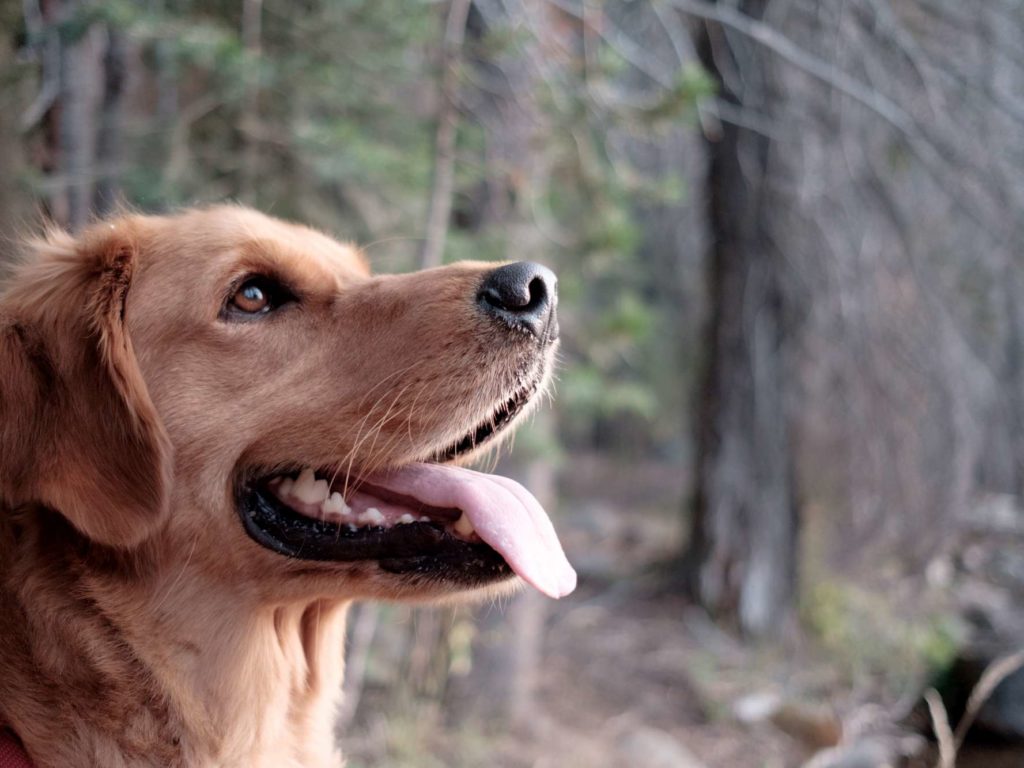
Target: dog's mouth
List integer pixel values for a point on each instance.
(431, 520)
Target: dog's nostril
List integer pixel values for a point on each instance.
(538, 292)
(523, 296)
(516, 298)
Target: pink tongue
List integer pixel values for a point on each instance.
(504, 514)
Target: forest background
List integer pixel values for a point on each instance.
(786, 448)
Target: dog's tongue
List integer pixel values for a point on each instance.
(504, 514)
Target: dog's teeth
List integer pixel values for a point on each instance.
(319, 493)
(463, 526)
(309, 490)
(406, 519)
(335, 505)
(424, 519)
(284, 488)
(303, 483)
(372, 516)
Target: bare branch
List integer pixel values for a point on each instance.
(809, 63)
(961, 189)
(943, 733)
(50, 89)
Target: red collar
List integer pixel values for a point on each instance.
(12, 754)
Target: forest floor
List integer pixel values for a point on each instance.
(633, 676)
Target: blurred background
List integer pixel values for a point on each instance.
(786, 447)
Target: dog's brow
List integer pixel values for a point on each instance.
(297, 267)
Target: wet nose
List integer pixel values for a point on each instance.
(523, 295)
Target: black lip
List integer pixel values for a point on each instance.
(425, 549)
(490, 427)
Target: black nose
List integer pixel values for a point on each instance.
(524, 296)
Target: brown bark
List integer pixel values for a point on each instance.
(108, 140)
(252, 32)
(742, 552)
(76, 170)
(14, 201)
(439, 208)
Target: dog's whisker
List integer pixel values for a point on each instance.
(350, 456)
(375, 432)
(371, 410)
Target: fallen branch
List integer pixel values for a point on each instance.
(940, 724)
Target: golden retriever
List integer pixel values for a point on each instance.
(217, 429)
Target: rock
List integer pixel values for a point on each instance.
(1002, 715)
(813, 725)
(861, 755)
(645, 747)
(756, 707)
(886, 751)
(990, 599)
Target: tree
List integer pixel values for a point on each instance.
(14, 203)
(742, 550)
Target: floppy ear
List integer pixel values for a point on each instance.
(78, 430)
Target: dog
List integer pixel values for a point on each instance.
(217, 430)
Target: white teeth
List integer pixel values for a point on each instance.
(372, 516)
(308, 489)
(303, 483)
(463, 526)
(335, 505)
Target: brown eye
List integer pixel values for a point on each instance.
(257, 295)
(250, 298)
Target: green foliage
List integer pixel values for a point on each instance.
(414, 736)
(615, 382)
(864, 633)
(589, 392)
(335, 136)
(691, 83)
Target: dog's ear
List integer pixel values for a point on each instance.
(78, 430)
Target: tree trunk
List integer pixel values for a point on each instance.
(508, 647)
(252, 34)
(742, 552)
(79, 65)
(439, 207)
(108, 141)
(14, 199)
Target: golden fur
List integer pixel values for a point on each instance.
(139, 625)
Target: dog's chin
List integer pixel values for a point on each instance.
(404, 537)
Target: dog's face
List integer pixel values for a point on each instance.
(267, 406)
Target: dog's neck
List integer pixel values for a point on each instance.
(267, 685)
(178, 672)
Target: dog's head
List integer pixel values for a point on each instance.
(246, 390)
